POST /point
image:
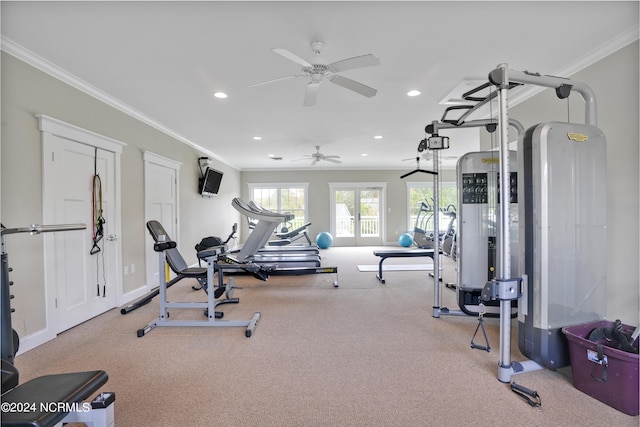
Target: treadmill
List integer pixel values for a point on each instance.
(284, 242)
(267, 221)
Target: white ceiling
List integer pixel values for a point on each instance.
(161, 61)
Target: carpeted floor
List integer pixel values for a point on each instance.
(362, 354)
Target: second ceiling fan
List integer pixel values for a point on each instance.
(318, 69)
(319, 157)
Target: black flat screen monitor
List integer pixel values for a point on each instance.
(210, 183)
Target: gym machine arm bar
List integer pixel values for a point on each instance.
(480, 101)
(490, 124)
(498, 77)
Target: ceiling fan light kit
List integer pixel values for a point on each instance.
(318, 70)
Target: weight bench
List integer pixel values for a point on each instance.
(399, 253)
(52, 400)
(49, 400)
(162, 246)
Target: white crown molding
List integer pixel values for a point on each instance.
(23, 54)
(590, 58)
(521, 94)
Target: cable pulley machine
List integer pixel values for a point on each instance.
(559, 228)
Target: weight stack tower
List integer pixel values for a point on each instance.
(477, 227)
(562, 206)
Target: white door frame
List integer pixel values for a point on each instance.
(152, 158)
(51, 128)
(360, 186)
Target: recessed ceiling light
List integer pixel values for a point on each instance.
(220, 95)
(257, 138)
(377, 137)
(414, 92)
(364, 154)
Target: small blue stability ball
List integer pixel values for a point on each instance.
(324, 240)
(405, 240)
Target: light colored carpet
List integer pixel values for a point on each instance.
(362, 354)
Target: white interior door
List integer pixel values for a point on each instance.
(71, 274)
(161, 204)
(86, 282)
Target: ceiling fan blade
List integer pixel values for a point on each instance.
(353, 85)
(277, 80)
(356, 62)
(331, 160)
(315, 161)
(333, 156)
(311, 94)
(292, 57)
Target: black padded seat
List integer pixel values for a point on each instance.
(175, 260)
(68, 388)
(10, 376)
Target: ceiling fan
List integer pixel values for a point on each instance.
(318, 69)
(318, 156)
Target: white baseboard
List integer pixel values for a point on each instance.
(42, 336)
(34, 340)
(133, 295)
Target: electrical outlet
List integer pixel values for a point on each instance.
(126, 270)
(133, 268)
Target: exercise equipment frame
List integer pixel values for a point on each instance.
(209, 306)
(506, 288)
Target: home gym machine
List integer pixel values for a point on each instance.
(562, 221)
(49, 400)
(477, 212)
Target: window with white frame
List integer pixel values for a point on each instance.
(283, 198)
(421, 204)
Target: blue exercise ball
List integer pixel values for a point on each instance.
(324, 240)
(405, 240)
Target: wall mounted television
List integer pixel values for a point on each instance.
(209, 184)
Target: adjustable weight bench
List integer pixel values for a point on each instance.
(163, 246)
(51, 400)
(399, 253)
(182, 271)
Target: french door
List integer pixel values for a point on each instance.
(357, 214)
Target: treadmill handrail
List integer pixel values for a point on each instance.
(261, 215)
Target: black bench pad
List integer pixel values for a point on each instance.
(399, 253)
(48, 389)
